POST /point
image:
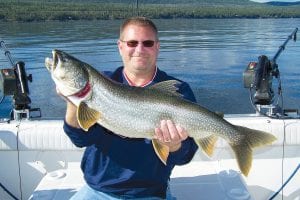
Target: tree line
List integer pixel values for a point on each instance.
(93, 10)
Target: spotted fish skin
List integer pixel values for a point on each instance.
(135, 111)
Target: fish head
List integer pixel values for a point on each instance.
(69, 74)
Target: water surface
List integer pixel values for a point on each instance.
(209, 54)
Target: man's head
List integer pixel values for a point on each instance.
(139, 45)
(138, 21)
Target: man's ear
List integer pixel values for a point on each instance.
(158, 45)
(119, 43)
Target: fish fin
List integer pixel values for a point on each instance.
(162, 151)
(208, 144)
(243, 151)
(220, 114)
(86, 116)
(243, 154)
(170, 87)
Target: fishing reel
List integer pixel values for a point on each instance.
(259, 76)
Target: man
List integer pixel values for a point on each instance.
(117, 167)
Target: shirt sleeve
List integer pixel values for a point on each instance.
(81, 138)
(184, 154)
(126, 151)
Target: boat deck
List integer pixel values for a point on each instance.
(62, 184)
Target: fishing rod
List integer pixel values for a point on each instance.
(6, 52)
(14, 82)
(293, 36)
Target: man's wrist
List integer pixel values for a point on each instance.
(70, 117)
(175, 147)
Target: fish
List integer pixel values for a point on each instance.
(134, 112)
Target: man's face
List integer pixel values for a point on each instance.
(139, 56)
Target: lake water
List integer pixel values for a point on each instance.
(209, 54)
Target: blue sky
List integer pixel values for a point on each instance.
(262, 1)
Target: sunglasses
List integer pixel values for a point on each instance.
(134, 43)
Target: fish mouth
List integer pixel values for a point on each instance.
(55, 58)
(51, 63)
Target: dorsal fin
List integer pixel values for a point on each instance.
(170, 87)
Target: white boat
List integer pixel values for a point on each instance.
(38, 161)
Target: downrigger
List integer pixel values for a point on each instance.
(14, 82)
(258, 77)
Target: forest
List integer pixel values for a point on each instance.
(42, 10)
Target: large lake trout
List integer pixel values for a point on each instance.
(135, 111)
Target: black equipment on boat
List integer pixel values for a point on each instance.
(14, 81)
(258, 76)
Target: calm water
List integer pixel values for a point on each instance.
(210, 54)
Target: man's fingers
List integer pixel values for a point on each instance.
(165, 131)
(158, 134)
(172, 130)
(181, 132)
(168, 132)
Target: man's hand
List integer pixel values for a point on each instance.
(70, 117)
(170, 135)
(62, 96)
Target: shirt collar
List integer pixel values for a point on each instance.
(144, 85)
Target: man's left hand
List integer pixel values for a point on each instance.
(170, 134)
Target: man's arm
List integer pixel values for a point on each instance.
(71, 118)
(78, 136)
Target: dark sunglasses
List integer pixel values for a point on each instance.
(134, 43)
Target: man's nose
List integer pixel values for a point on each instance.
(140, 47)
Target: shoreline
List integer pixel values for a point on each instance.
(53, 11)
(105, 19)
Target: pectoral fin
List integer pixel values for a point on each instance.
(87, 116)
(208, 144)
(162, 151)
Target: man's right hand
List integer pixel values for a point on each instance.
(71, 116)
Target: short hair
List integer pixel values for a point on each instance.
(139, 21)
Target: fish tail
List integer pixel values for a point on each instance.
(251, 139)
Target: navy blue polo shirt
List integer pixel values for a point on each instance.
(128, 167)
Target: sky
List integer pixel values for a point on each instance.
(262, 1)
